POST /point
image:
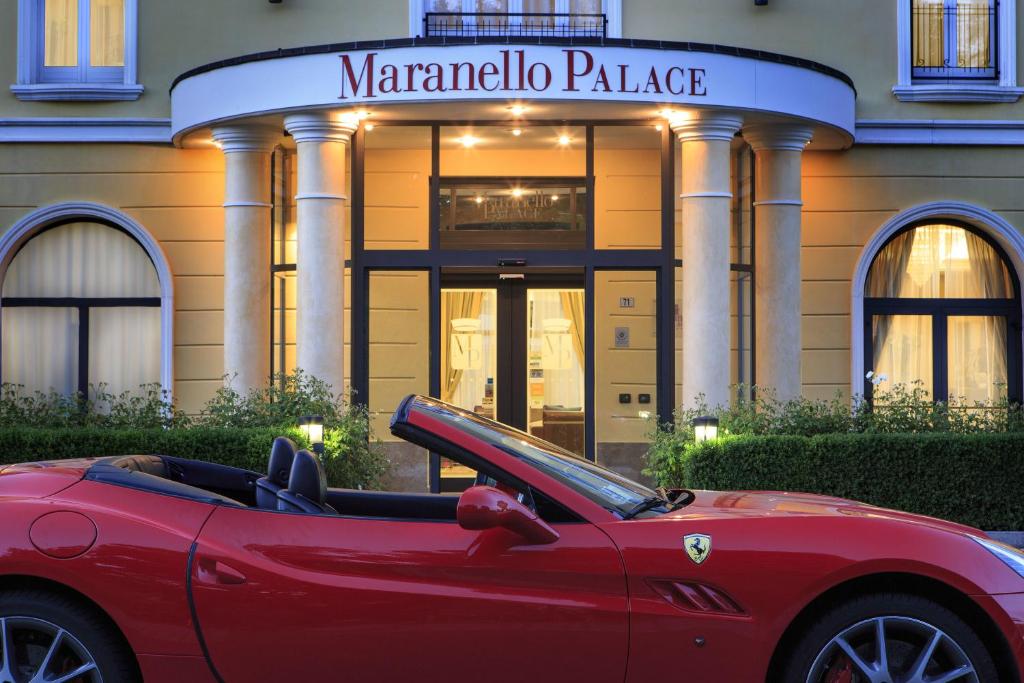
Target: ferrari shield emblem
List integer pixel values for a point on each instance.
(697, 546)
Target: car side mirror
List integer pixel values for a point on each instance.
(485, 507)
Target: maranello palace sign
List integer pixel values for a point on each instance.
(517, 72)
(299, 80)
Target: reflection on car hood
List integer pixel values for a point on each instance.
(726, 504)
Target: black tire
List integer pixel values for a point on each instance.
(114, 660)
(868, 607)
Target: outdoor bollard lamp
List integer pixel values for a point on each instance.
(705, 428)
(312, 427)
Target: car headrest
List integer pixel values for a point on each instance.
(308, 478)
(282, 454)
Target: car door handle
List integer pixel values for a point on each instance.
(215, 572)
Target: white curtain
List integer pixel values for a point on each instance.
(941, 262)
(40, 348)
(563, 387)
(106, 33)
(60, 38)
(977, 358)
(81, 260)
(903, 350)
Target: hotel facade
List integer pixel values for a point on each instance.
(573, 216)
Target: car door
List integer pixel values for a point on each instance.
(307, 597)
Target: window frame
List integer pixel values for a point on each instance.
(1001, 86)
(940, 310)
(83, 82)
(82, 304)
(612, 9)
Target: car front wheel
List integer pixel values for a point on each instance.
(50, 638)
(891, 638)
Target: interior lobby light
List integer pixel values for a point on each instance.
(469, 141)
(363, 114)
(517, 131)
(368, 127)
(517, 192)
(554, 197)
(564, 140)
(517, 109)
(658, 127)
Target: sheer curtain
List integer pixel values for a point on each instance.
(465, 387)
(84, 261)
(941, 262)
(933, 21)
(106, 33)
(973, 29)
(60, 21)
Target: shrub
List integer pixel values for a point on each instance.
(232, 429)
(968, 478)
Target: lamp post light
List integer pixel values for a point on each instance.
(312, 427)
(705, 428)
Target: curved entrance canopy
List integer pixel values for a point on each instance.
(415, 79)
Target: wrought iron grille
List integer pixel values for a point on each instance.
(954, 39)
(443, 24)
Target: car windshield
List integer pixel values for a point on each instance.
(615, 493)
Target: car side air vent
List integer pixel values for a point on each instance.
(696, 597)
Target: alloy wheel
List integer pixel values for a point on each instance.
(36, 651)
(892, 649)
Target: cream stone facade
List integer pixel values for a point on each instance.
(539, 232)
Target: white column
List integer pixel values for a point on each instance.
(247, 207)
(706, 204)
(777, 214)
(320, 259)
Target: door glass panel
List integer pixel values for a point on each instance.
(627, 187)
(61, 39)
(902, 351)
(555, 379)
(513, 214)
(399, 355)
(469, 359)
(977, 359)
(626, 364)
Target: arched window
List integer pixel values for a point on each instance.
(942, 308)
(81, 306)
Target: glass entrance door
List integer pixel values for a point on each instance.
(513, 350)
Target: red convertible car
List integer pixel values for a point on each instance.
(550, 568)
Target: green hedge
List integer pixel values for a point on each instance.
(247, 448)
(975, 479)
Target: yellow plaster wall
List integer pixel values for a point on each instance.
(174, 194)
(855, 36)
(848, 196)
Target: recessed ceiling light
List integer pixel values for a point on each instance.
(564, 140)
(517, 109)
(368, 127)
(517, 131)
(517, 192)
(468, 141)
(363, 114)
(479, 199)
(658, 127)
(554, 197)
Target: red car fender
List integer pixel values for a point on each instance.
(135, 571)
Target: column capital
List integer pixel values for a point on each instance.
(707, 126)
(246, 137)
(321, 127)
(786, 137)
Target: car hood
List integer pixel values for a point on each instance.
(730, 504)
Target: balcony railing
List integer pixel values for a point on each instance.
(461, 24)
(954, 40)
